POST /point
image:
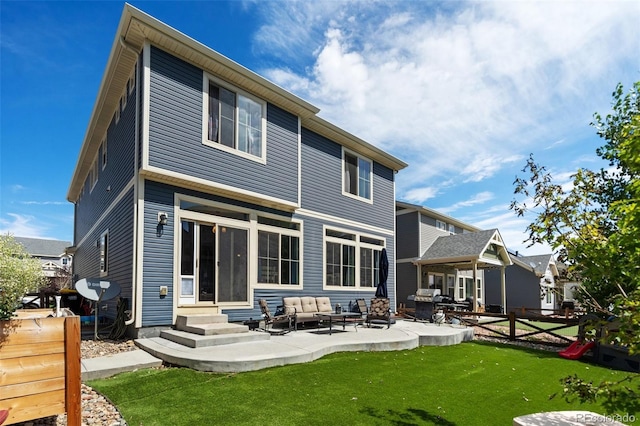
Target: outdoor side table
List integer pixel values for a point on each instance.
(332, 316)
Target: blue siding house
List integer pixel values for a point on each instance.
(202, 187)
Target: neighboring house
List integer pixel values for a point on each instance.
(530, 283)
(202, 187)
(54, 258)
(437, 251)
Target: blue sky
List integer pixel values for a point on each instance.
(461, 91)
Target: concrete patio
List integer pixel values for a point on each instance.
(257, 350)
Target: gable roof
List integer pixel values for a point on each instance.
(537, 264)
(39, 247)
(484, 248)
(134, 30)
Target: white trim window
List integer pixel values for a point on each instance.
(346, 270)
(356, 175)
(132, 79)
(441, 225)
(234, 120)
(103, 244)
(279, 251)
(93, 175)
(103, 148)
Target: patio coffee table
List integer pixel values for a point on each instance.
(341, 317)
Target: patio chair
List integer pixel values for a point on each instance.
(379, 312)
(362, 306)
(270, 320)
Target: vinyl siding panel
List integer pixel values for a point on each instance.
(86, 261)
(322, 185)
(428, 233)
(157, 259)
(175, 136)
(522, 288)
(407, 235)
(407, 283)
(119, 170)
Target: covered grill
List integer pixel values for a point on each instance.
(425, 300)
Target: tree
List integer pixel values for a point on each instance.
(19, 273)
(594, 227)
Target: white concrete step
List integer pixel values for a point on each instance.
(213, 329)
(192, 340)
(193, 319)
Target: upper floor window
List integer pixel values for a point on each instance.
(104, 153)
(104, 253)
(357, 175)
(441, 225)
(452, 229)
(93, 174)
(234, 120)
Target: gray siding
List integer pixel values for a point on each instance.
(118, 172)
(407, 283)
(175, 136)
(407, 235)
(322, 185)
(86, 261)
(157, 259)
(522, 287)
(428, 233)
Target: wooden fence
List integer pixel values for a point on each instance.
(471, 318)
(40, 368)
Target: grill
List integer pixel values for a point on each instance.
(425, 300)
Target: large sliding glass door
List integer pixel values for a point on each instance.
(213, 263)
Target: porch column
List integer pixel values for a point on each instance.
(503, 287)
(475, 287)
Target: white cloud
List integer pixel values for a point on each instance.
(479, 198)
(21, 226)
(451, 90)
(420, 195)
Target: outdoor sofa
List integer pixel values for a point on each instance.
(304, 308)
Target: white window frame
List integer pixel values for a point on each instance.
(262, 158)
(123, 99)
(103, 253)
(281, 232)
(103, 145)
(452, 228)
(357, 244)
(441, 225)
(132, 79)
(93, 175)
(343, 172)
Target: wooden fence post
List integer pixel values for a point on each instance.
(73, 377)
(512, 325)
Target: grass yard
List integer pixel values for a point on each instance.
(475, 383)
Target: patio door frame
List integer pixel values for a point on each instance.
(218, 225)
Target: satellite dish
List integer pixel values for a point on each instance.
(96, 289)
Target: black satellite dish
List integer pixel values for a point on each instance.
(97, 290)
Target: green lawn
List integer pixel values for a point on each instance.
(476, 383)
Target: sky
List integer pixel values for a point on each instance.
(463, 92)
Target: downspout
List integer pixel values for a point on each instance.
(132, 318)
(475, 286)
(503, 288)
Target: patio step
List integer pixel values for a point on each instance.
(193, 319)
(192, 340)
(213, 329)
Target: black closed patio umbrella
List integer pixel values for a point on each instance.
(381, 291)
